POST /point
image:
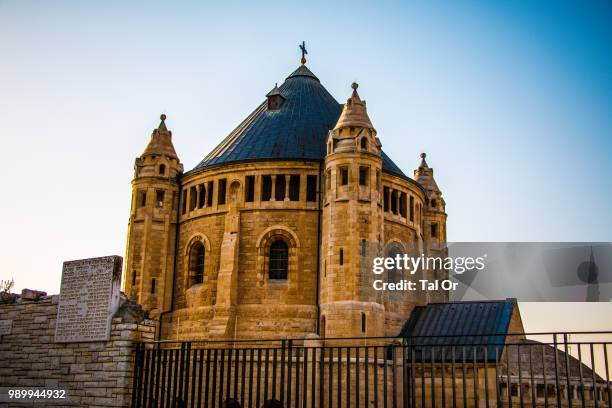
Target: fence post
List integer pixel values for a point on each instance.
(282, 372)
(557, 370)
(289, 366)
(567, 372)
(137, 374)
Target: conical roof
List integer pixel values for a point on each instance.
(302, 71)
(298, 130)
(275, 91)
(354, 112)
(161, 142)
(424, 175)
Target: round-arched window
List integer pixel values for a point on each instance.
(394, 274)
(279, 260)
(364, 143)
(162, 169)
(198, 257)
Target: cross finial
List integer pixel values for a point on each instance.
(304, 52)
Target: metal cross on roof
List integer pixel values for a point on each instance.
(304, 52)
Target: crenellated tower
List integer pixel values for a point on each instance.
(152, 226)
(352, 220)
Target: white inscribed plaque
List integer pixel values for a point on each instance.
(89, 297)
(5, 327)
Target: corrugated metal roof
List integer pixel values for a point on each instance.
(460, 324)
(296, 131)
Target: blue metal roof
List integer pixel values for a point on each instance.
(462, 324)
(296, 131)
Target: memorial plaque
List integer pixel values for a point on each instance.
(89, 297)
(5, 327)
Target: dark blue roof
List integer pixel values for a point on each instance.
(460, 324)
(296, 131)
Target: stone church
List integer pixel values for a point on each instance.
(264, 237)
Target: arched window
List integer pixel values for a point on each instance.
(279, 260)
(364, 144)
(162, 169)
(198, 257)
(434, 203)
(394, 274)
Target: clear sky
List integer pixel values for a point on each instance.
(512, 101)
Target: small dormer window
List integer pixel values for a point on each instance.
(275, 99)
(162, 169)
(275, 102)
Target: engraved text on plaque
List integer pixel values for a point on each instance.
(89, 296)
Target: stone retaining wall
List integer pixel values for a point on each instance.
(93, 374)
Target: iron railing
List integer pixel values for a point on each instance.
(493, 370)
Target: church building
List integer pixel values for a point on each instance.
(265, 237)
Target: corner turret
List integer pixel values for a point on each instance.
(434, 214)
(152, 224)
(159, 157)
(352, 219)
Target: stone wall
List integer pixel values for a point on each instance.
(93, 374)
(236, 298)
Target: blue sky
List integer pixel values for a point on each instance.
(512, 101)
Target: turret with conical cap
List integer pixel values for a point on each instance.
(434, 219)
(352, 218)
(151, 230)
(354, 112)
(161, 142)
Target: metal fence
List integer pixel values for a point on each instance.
(445, 371)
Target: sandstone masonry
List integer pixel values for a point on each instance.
(265, 237)
(94, 374)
